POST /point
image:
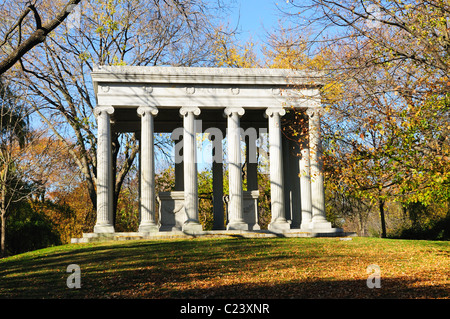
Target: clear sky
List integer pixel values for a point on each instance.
(255, 18)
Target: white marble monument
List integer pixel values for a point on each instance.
(147, 100)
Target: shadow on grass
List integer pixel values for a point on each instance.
(395, 288)
(170, 269)
(105, 266)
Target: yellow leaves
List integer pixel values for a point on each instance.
(229, 54)
(285, 57)
(117, 61)
(333, 91)
(84, 56)
(99, 29)
(286, 51)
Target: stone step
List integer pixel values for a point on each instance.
(96, 237)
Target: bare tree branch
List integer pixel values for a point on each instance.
(38, 36)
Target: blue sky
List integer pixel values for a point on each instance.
(255, 17)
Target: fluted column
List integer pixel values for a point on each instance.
(147, 176)
(316, 161)
(305, 180)
(104, 171)
(190, 169)
(236, 193)
(278, 222)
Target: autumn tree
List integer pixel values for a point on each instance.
(24, 155)
(227, 51)
(391, 120)
(113, 32)
(13, 126)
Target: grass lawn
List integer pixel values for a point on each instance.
(232, 268)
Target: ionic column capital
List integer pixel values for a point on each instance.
(108, 109)
(145, 110)
(190, 109)
(230, 110)
(271, 111)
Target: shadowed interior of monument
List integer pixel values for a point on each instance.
(167, 120)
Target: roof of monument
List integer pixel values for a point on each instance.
(206, 75)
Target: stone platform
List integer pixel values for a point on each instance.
(100, 237)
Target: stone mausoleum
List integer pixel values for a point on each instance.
(236, 104)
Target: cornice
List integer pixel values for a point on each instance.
(205, 75)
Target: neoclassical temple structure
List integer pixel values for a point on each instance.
(236, 104)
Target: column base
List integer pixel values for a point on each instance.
(103, 229)
(320, 225)
(237, 226)
(279, 226)
(254, 227)
(316, 225)
(192, 227)
(148, 228)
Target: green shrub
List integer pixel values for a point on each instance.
(433, 230)
(28, 230)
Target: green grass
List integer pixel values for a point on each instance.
(232, 268)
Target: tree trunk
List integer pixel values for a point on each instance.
(3, 234)
(362, 231)
(383, 221)
(3, 215)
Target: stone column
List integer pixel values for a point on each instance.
(278, 222)
(190, 169)
(317, 184)
(236, 194)
(104, 171)
(305, 182)
(147, 176)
